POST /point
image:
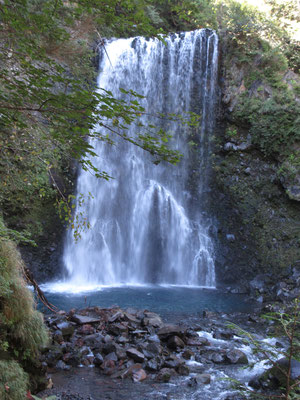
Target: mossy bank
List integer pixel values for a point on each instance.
(22, 330)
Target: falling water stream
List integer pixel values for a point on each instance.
(150, 224)
(147, 224)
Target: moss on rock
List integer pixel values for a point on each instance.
(13, 381)
(22, 330)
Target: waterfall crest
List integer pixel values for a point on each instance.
(149, 223)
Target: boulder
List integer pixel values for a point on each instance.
(154, 348)
(86, 329)
(98, 360)
(108, 367)
(73, 359)
(57, 336)
(54, 354)
(226, 334)
(188, 354)
(173, 362)
(174, 342)
(198, 341)
(215, 356)
(135, 354)
(61, 365)
(82, 319)
(131, 318)
(152, 365)
(117, 329)
(116, 316)
(139, 375)
(200, 379)
(127, 372)
(236, 356)
(94, 340)
(154, 339)
(111, 356)
(183, 369)
(66, 328)
(164, 375)
(109, 347)
(170, 330)
(152, 319)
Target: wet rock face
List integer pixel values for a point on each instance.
(259, 193)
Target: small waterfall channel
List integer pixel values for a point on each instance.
(149, 225)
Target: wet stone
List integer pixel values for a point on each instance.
(200, 379)
(135, 354)
(131, 318)
(98, 359)
(175, 342)
(139, 375)
(169, 330)
(84, 351)
(93, 340)
(152, 319)
(152, 365)
(198, 341)
(154, 339)
(188, 354)
(108, 367)
(57, 336)
(216, 356)
(173, 362)
(183, 369)
(86, 329)
(154, 348)
(223, 334)
(236, 356)
(116, 317)
(82, 319)
(111, 356)
(66, 328)
(117, 329)
(61, 365)
(73, 359)
(54, 354)
(109, 347)
(122, 339)
(164, 375)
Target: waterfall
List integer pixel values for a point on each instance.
(149, 224)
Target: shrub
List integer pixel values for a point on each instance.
(13, 381)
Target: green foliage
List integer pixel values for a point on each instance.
(186, 15)
(49, 105)
(247, 32)
(22, 329)
(13, 381)
(274, 123)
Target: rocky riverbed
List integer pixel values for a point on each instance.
(112, 353)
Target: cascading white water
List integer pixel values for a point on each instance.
(148, 224)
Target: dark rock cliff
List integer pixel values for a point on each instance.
(256, 193)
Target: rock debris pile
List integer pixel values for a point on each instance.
(131, 344)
